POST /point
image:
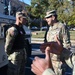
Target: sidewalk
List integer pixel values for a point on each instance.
(37, 40)
(41, 40)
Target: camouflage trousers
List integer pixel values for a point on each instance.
(57, 67)
(17, 62)
(56, 64)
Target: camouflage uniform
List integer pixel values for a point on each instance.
(17, 58)
(61, 32)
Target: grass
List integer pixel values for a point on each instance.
(40, 34)
(72, 35)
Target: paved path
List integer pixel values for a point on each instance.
(39, 40)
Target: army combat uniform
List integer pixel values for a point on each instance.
(15, 48)
(62, 33)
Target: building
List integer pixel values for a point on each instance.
(1, 6)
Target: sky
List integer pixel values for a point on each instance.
(26, 1)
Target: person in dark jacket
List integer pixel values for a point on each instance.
(15, 46)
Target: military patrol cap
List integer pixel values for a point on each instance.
(21, 14)
(50, 13)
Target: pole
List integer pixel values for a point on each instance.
(9, 8)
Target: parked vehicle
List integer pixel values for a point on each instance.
(72, 28)
(34, 28)
(44, 28)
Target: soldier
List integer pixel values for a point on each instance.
(15, 46)
(58, 29)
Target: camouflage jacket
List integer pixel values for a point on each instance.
(61, 32)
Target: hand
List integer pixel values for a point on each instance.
(39, 65)
(55, 47)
